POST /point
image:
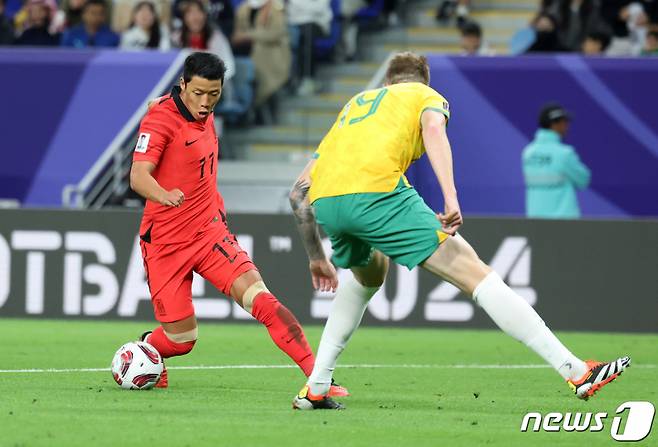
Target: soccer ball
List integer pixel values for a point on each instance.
(137, 366)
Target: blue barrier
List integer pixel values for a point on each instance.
(62, 109)
(495, 103)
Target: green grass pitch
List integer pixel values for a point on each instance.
(391, 405)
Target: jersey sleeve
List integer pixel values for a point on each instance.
(155, 133)
(431, 100)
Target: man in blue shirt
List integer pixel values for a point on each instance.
(552, 170)
(92, 32)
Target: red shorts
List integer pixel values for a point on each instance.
(214, 254)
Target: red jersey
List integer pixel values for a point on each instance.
(185, 153)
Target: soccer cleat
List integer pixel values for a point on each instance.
(163, 382)
(599, 374)
(306, 401)
(144, 336)
(336, 390)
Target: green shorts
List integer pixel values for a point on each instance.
(397, 223)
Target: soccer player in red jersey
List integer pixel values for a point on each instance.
(184, 227)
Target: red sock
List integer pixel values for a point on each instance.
(284, 329)
(166, 347)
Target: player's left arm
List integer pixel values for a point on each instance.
(439, 153)
(323, 272)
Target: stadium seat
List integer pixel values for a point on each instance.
(370, 13)
(324, 46)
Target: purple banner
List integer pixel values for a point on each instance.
(495, 103)
(61, 109)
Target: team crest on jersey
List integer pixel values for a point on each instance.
(142, 142)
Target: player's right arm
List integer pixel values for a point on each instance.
(439, 154)
(323, 273)
(143, 183)
(155, 133)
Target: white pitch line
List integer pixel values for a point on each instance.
(208, 367)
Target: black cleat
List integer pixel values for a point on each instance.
(598, 375)
(306, 401)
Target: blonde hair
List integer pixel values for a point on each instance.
(408, 67)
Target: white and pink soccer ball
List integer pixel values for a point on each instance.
(137, 366)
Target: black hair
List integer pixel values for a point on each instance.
(587, 8)
(471, 28)
(154, 32)
(95, 2)
(205, 65)
(601, 36)
(552, 113)
(185, 31)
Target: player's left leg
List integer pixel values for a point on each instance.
(228, 267)
(250, 292)
(456, 261)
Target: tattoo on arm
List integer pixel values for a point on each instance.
(305, 218)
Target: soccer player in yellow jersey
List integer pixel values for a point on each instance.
(356, 190)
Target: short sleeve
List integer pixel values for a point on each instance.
(155, 133)
(431, 100)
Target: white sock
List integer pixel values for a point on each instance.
(347, 310)
(518, 319)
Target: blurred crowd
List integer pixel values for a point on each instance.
(597, 27)
(590, 27)
(266, 44)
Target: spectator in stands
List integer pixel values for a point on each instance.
(6, 28)
(261, 32)
(471, 40)
(123, 13)
(198, 33)
(629, 20)
(310, 19)
(596, 43)
(145, 30)
(546, 37)
(458, 8)
(72, 12)
(37, 25)
(651, 43)
(93, 31)
(575, 18)
(390, 11)
(552, 170)
(349, 27)
(220, 13)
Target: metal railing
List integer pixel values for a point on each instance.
(107, 176)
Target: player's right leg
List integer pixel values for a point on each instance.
(172, 339)
(169, 276)
(456, 261)
(347, 309)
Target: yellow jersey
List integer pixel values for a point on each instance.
(375, 138)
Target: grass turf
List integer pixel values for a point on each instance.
(392, 406)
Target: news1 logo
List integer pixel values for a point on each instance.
(638, 421)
